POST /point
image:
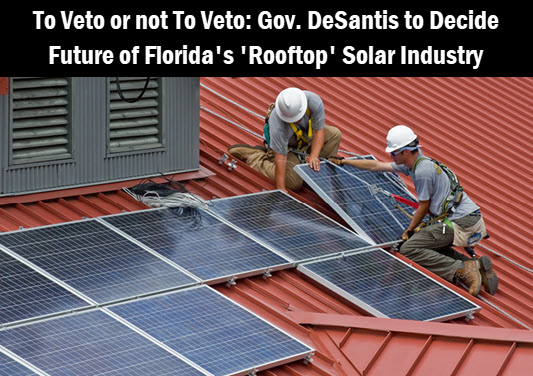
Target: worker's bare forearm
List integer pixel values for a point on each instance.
(317, 143)
(420, 213)
(368, 164)
(281, 167)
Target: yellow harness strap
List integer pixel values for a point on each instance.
(300, 138)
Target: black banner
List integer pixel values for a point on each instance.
(325, 41)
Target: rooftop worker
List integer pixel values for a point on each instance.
(294, 127)
(440, 195)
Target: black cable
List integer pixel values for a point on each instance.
(131, 100)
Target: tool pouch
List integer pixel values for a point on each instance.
(266, 127)
(469, 236)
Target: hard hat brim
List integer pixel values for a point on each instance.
(389, 149)
(292, 119)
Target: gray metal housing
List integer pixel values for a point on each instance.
(90, 160)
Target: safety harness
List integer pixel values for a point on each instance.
(301, 139)
(454, 197)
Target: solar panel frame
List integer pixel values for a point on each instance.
(242, 256)
(388, 287)
(287, 225)
(93, 265)
(199, 319)
(351, 183)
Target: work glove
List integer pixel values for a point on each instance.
(407, 234)
(336, 160)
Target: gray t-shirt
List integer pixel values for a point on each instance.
(281, 134)
(435, 186)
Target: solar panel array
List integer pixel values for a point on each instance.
(57, 279)
(194, 331)
(129, 294)
(374, 280)
(212, 331)
(359, 197)
(387, 287)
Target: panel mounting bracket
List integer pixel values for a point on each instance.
(267, 274)
(469, 316)
(231, 164)
(231, 281)
(223, 159)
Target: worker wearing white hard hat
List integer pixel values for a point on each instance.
(294, 132)
(456, 219)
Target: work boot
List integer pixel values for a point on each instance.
(242, 151)
(489, 279)
(470, 276)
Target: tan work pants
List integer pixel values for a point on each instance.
(265, 163)
(432, 249)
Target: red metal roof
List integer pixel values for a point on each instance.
(479, 126)
(4, 85)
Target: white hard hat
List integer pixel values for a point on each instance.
(399, 137)
(291, 104)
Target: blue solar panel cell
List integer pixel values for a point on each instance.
(95, 260)
(357, 196)
(211, 331)
(287, 225)
(91, 343)
(25, 294)
(198, 242)
(387, 287)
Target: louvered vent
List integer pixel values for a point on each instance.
(40, 119)
(134, 125)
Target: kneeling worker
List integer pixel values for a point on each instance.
(295, 126)
(440, 195)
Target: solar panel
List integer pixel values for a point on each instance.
(287, 225)
(198, 242)
(91, 343)
(357, 196)
(212, 331)
(10, 367)
(26, 294)
(95, 260)
(385, 286)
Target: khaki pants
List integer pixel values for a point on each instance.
(432, 249)
(265, 163)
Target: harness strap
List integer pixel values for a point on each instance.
(456, 190)
(300, 138)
